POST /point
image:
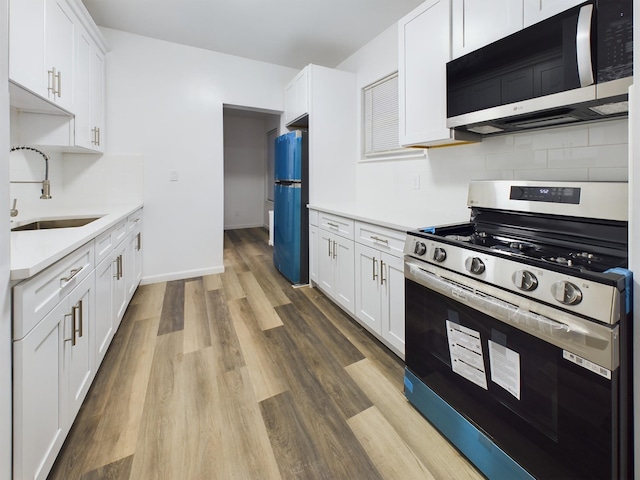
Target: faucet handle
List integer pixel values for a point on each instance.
(14, 210)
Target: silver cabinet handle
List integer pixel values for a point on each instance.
(138, 241)
(99, 136)
(375, 264)
(51, 81)
(59, 77)
(120, 272)
(78, 308)
(335, 252)
(382, 279)
(381, 240)
(329, 243)
(73, 329)
(334, 225)
(72, 274)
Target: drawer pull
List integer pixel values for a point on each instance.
(381, 240)
(72, 274)
(334, 225)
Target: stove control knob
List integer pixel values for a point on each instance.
(439, 255)
(474, 265)
(525, 280)
(420, 248)
(566, 293)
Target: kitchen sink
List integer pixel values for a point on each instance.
(55, 223)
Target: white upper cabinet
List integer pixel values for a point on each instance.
(296, 97)
(423, 52)
(475, 24)
(59, 43)
(536, 10)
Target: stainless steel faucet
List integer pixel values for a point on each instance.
(46, 186)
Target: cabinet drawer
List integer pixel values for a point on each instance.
(34, 298)
(381, 238)
(313, 217)
(336, 224)
(107, 241)
(134, 220)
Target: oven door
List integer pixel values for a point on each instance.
(546, 405)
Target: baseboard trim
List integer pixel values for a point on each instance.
(168, 277)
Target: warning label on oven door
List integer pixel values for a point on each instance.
(505, 368)
(465, 348)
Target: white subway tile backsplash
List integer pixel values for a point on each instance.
(523, 159)
(598, 156)
(567, 137)
(609, 132)
(609, 174)
(566, 174)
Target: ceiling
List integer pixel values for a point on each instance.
(292, 33)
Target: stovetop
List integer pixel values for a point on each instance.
(526, 246)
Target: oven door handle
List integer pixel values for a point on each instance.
(577, 337)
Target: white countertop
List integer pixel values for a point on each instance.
(364, 216)
(34, 250)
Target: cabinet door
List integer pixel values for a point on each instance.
(326, 268)
(313, 253)
(78, 354)
(82, 84)
(26, 48)
(423, 53)
(119, 285)
(344, 292)
(133, 263)
(368, 280)
(392, 271)
(476, 24)
(103, 325)
(536, 10)
(59, 41)
(296, 97)
(97, 99)
(40, 420)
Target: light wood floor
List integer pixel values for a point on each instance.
(241, 376)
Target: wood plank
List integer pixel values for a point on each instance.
(234, 260)
(246, 442)
(223, 335)
(324, 421)
(270, 280)
(149, 299)
(231, 285)
(118, 470)
(292, 441)
(314, 324)
(162, 439)
(433, 450)
(327, 371)
(391, 456)
(117, 431)
(212, 282)
(196, 323)
(263, 369)
(387, 362)
(172, 317)
(265, 313)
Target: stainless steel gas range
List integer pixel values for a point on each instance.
(518, 330)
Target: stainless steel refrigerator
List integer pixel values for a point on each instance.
(290, 198)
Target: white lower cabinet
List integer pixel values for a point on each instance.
(64, 320)
(336, 267)
(53, 370)
(380, 294)
(365, 276)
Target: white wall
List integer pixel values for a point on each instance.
(594, 152)
(164, 101)
(245, 156)
(5, 260)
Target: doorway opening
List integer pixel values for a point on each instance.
(248, 166)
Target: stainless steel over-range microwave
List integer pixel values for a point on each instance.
(575, 66)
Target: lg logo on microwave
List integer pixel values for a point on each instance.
(517, 107)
